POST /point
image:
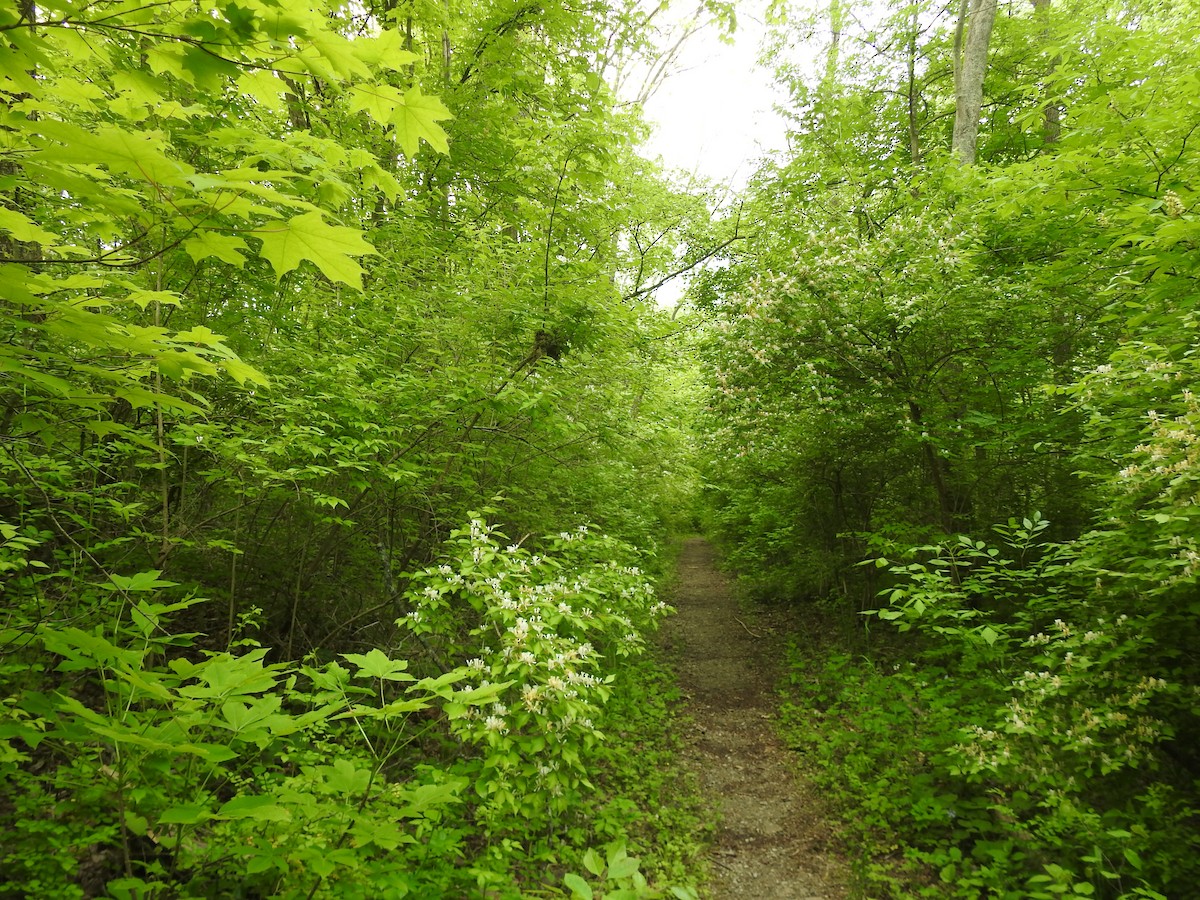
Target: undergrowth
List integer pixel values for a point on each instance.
(884, 736)
(862, 733)
(136, 765)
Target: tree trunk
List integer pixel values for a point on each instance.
(937, 472)
(1052, 114)
(914, 134)
(836, 23)
(970, 68)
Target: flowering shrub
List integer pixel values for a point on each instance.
(160, 768)
(537, 629)
(1053, 731)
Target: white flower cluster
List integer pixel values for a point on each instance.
(536, 611)
(1072, 705)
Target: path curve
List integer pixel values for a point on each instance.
(771, 843)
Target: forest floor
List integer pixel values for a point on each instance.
(772, 841)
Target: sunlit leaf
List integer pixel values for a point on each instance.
(310, 237)
(415, 120)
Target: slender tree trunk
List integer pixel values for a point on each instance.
(836, 23)
(956, 53)
(938, 475)
(914, 135)
(970, 69)
(1052, 114)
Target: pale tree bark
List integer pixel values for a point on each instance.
(837, 16)
(970, 67)
(914, 133)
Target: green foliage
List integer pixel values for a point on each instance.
(164, 768)
(540, 625)
(267, 341)
(911, 351)
(621, 875)
(170, 770)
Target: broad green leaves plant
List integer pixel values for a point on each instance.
(105, 182)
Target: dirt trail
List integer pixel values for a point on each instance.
(771, 843)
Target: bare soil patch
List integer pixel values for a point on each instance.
(772, 841)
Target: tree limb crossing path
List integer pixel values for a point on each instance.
(771, 842)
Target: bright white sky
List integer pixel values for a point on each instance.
(714, 116)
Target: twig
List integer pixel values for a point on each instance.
(747, 627)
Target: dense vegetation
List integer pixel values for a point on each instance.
(338, 448)
(951, 388)
(341, 439)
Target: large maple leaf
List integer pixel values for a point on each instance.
(309, 237)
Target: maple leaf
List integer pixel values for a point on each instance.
(131, 153)
(384, 51)
(379, 101)
(309, 237)
(416, 118)
(210, 243)
(23, 228)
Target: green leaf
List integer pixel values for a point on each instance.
(580, 889)
(264, 862)
(241, 716)
(226, 676)
(118, 150)
(142, 581)
(185, 814)
(265, 87)
(144, 298)
(201, 334)
(310, 237)
(416, 119)
(225, 247)
(593, 863)
(378, 664)
(343, 777)
(242, 372)
(385, 51)
(622, 867)
(378, 101)
(23, 229)
(340, 53)
(262, 807)
(430, 796)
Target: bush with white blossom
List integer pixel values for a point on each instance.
(545, 626)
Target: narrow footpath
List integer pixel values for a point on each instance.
(771, 842)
